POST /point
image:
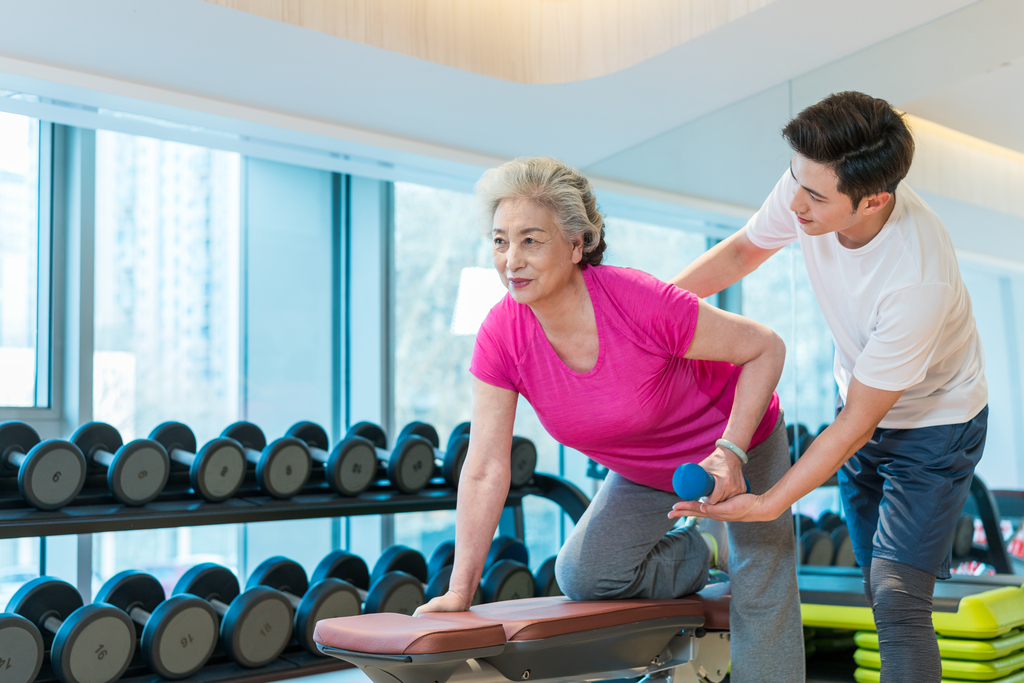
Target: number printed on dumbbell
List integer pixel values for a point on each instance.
(187, 640)
(101, 652)
(266, 629)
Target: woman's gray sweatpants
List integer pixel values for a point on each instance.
(625, 547)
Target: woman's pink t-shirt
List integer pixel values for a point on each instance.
(643, 409)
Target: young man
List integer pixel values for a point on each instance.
(908, 361)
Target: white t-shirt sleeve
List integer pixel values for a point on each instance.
(774, 225)
(909, 329)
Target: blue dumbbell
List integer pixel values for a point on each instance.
(692, 482)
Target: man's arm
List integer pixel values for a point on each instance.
(722, 265)
(853, 427)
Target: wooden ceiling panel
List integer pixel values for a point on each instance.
(527, 41)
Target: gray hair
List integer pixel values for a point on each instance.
(559, 187)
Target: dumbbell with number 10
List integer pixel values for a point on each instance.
(409, 465)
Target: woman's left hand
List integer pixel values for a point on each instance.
(745, 507)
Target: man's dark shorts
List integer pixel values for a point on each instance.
(904, 491)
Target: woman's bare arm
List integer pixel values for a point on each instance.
(483, 487)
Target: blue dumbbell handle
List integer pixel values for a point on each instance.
(692, 482)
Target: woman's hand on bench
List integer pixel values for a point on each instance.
(449, 602)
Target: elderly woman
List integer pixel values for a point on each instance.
(641, 376)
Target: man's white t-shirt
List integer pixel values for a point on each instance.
(898, 310)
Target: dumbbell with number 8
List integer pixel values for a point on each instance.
(282, 467)
(178, 634)
(255, 625)
(349, 467)
(215, 471)
(449, 461)
(410, 464)
(51, 473)
(136, 471)
(88, 643)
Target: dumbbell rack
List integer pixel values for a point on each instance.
(95, 511)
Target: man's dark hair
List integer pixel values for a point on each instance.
(861, 138)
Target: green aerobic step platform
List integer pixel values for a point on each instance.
(953, 648)
(862, 675)
(955, 669)
(974, 607)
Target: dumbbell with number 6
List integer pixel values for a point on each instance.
(255, 626)
(282, 467)
(449, 461)
(178, 634)
(21, 649)
(215, 472)
(350, 467)
(136, 471)
(50, 473)
(88, 643)
(409, 465)
(328, 598)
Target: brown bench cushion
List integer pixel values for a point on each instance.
(400, 634)
(716, 606)
(538, 618)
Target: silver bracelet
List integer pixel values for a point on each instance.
(725, 443)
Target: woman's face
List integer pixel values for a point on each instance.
(533, 258)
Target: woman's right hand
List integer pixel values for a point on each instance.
(449, 602)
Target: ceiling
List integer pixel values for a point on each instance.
(700, 119)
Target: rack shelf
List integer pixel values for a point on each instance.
(106, 516)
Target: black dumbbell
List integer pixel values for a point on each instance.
(137, 471)
(88, 643)
(544, 581)
(523, 461)
(828, 520)
(409, 465)
(963, 536)
(21, 649)
(255, 626)
(842, 554)
(327, 599)
(178, 633)
(50, 473)
(449, 461)
(215, 472)
(818, 548)
(439, 570)
(395, 591)
(282, 467)
(349, 467)
(507, 571)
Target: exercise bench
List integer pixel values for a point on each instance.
(549, 639)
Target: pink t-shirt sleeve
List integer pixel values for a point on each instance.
(492, 359)
(665, 314)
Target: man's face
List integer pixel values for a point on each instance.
(819, 206)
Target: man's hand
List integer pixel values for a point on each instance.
(449, 602)
(746, 507)
(727, 469)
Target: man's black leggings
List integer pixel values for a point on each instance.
(901, 597)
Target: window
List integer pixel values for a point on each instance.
(166, 320)
(19, 562)
(20, 358)
(167, 285)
